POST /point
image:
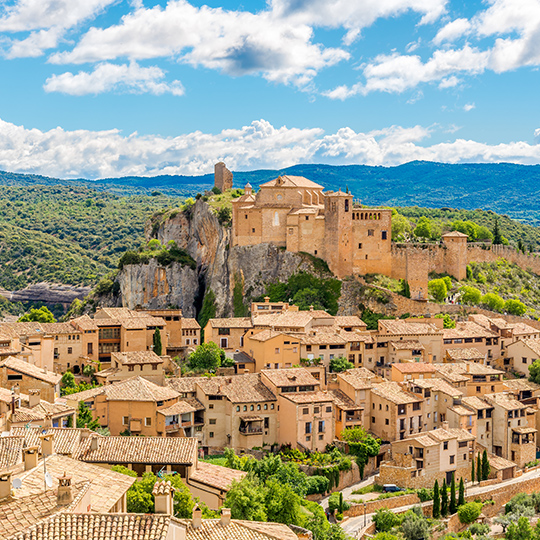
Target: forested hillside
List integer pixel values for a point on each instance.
(68, 234)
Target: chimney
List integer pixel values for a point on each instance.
(94, 443)
(196, 519)
(85, 433)
(45, 369)
(5, 485)
(163, 495)
(225, 517)
(35, 398)
(445, 425)
(48, 421)
(310, 308)
(47, 444)
(30, 457)
(266, 299)
(64, 496)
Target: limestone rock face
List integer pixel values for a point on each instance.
(49, 293)
(219, 267)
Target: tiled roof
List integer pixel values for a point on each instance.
(465, 354)
(54, 409)
(351, 320)
(474, 402)
(465, 370)
(324, 337)
(184, 385)
(148, 450)
(216, 475)
(454, 234)
(343, 401)
(107, 486)
(288, 180)
(461, 410)
(308, 397)
(19, 329)
(24, 414)
(499, 463)
(505, 401)
(266, 335)
(520, 385)
(19, 514)
(522, 329)
(442, 434)
(84, 323)
(240, 357)
(406, 345)
(414, 367)
(182, 407)
(402, 327)
(30, 370)
(533, 344)
(190, 323)
(59, 328)
(467, 329)
(66, 526)
(289, 319)
(231, 322)
(359, 378)
(138, 389)
(437, 385)
(5, 396)
(289, 377)
(246, 389)
(85, 395)
(66, 440)
(393, 392)
(10, 452)
(136, 357)
(134, 323)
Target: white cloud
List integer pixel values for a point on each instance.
(234, 42)
(47, 20)
(108, 77)
(452, 31)
(469, 107)
(99, 154)
(396, 73)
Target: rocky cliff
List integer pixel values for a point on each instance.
(225, 270)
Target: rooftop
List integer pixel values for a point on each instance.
(10, 452)
(464, 354)
(66, 440)
(414, 367)
(308, 397)
(358, 378)
(393, 392)
(30, 370)
(138, 389)
(288, 180)
(231, 322)
(349, 320)
(136, 357)
(533, 344)
(216, 475)
(211, 529)
(408, 344)
(402, 327)
(468, 329)
(289, 377)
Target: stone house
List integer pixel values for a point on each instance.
(521, 354)
(125, 365)
(409, 371)
(228, 334)
(475, 379)
(272, 349)
(469, 334)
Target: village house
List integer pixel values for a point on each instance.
(419, 460)
(347, 413)
(469, 334)
(228, 334)
(124, 365)
(411, 371)
(273, 349)
(521, 354)
(475, 379)
(469, 354)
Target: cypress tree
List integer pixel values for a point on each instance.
(486, 469)
(473, 476)
(461, 498)
(478, 468)
(453, 503)
(157, 342)
(497, 237)
(436, 501)
(444, 500)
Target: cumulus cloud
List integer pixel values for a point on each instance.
(47, 20)
(469, 107)
(234, 42)
(99, 154)
(108, 77)
(452, 31)
(396, 73)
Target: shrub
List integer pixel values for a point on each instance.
(493, 301)
(480, 528)
(340, 364)
(425, 494)
(470, 295)
(437, 289)
(385, 520)
(469, 512)
(515, 307)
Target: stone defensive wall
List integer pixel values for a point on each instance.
(489, 253)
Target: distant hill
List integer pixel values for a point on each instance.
(504, 188)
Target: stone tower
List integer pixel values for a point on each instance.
(455, 254)
(338, 232)
(223, 178)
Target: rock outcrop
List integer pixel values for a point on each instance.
(47, 293)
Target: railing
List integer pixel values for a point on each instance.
(172, 427)
(250, 430)
(199, 420)
(353, 418)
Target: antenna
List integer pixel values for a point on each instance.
(17, 483)
(48, 480)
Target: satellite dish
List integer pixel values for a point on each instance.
(17, 483)
(48, 480)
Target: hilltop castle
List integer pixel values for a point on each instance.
(295, 213)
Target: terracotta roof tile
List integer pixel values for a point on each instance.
(408, 344)
(467, 329)
(10, 452)
(138, 389)
(30, 370)
(231, 322)
(66, 440)
(136, 357)
(308, 397)
(393, 392)
(359, 378)
(469, 353)
(414, 367)
(211, 529)
(289, 377)
(402, 327)
(190, 323)
(216, 475)
(343, 401)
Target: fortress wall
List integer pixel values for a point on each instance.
(478, 253)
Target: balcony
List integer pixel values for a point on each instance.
(251, 430)
(199, 421)
(357, 417)
(172, 427)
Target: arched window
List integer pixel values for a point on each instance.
(276, 219)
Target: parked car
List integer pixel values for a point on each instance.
(390, 488)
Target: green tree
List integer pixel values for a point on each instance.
(448, 322)
(444, 499)
(497, 237)
(85, 418)
(415, 526)
(453, 501)
(182, 499)
(401, 227)
(437, 289)
(534, 372)
(385, 520)
(486, 468)
(208, 310)
(469, 512)
(478, 467)
(436, 501)
(470, 295)
(515, 307)
(423, 228)
(362, 445)
(246, 499)
(521, 530)
(42, 315)
(205, 358)
(493, 301)
(461, 498)
(68, 380)
(472, 468)
(339, 364)
(157, 342)
(282, 503)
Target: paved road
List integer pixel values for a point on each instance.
(355, 526)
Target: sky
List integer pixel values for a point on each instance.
(104, 88)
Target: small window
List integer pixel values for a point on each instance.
(147, 421)
(252, 230)
(328, 409)
(272, 406)
(245, 408)
(266, 406)
(70, 350)
(371, 232)
(316, 410)
(445, 445)
(211, 434)
(238, 408)
(251, 408)
(125, 420)
(305, 410)
(452, 459)
(211, 406)
(259, 407)
(387, 422)
(384, 235)
(360, 245)
(212, 421)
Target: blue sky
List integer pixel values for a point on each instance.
(100, 88)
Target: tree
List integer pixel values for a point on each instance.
(461, 498)
(246, 499)
(42, 315)
(453, 502)
(68, 380)
(470, 295)
(339, 364)
(157, 342)
(182, 499)
(88, 370)
(444, 499)
(436, 501)
(521, 530)
(206, 358)
(415, 526)
(423, 228)
(473, 462)
(515, 307)
(478, 468)
(497, 237)
(85, 418)
(437, 289)
(362, 445)
(282, 503)
(385, 520)
(534, 372)
(469, 512)
(486, 469)
(493, 301)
